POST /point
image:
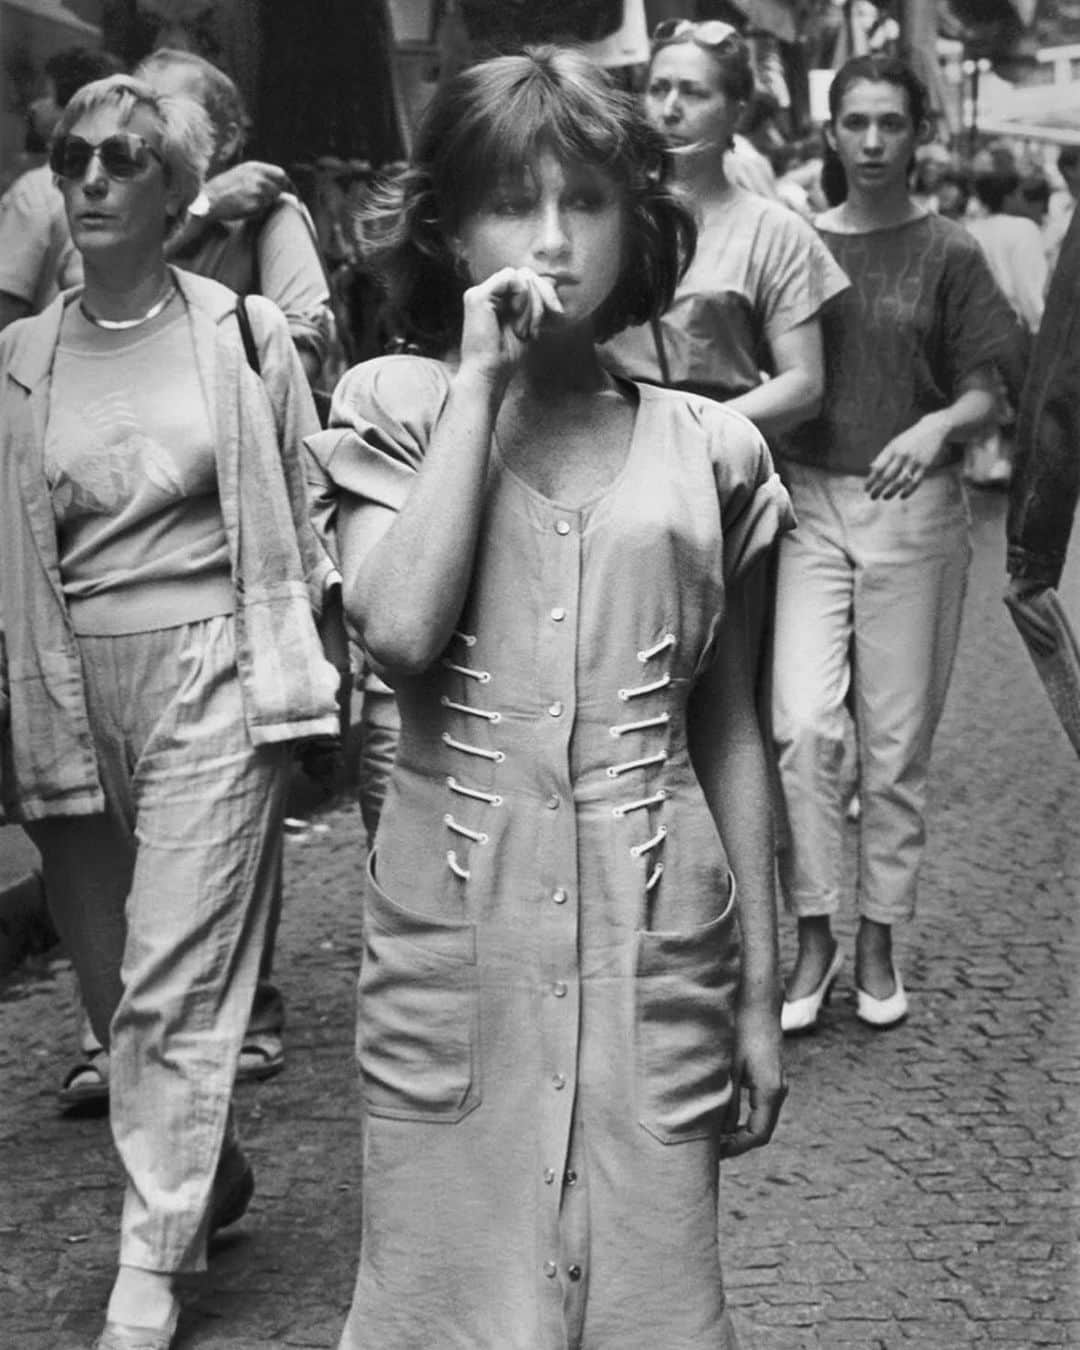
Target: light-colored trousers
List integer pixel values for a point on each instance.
(162, 903)
(869, 594)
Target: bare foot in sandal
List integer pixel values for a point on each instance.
(85, 1089)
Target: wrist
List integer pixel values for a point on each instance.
(940, 424)
(199, 207)
(944, 430)
(481, 381)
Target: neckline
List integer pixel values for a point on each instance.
(129, 325)
(76, 331)
(638, 393)
(877, 229)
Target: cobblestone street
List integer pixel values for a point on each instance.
(923, 1189)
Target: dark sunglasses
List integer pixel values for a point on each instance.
(123, 155)
(707, 33)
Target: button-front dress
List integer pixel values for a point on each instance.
(551, 948)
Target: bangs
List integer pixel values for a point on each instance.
(528, 108)
(122, 94)
(487, 128)
(119, 98)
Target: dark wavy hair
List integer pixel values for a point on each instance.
(993, 188)
(876, 70)
(489, 122)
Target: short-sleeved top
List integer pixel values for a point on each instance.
(37, 257)
(551, 956)
(274, 255)
(758, 272)
(923, 312)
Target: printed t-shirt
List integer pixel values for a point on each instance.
(129, 458)
(923, 312)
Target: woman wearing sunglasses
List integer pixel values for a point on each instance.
(871, 584)
(744, 326)
(157, 590)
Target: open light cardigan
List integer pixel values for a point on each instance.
(279, 569)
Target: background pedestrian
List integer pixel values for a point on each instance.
(871, 584)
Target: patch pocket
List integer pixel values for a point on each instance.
(417, 1031)
(684, 991)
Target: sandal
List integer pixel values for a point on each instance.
(85, 1089)
(261, 1056)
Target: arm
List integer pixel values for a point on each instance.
(793, 278)
(291, 273)
(902, 465)
(974, 346)
(234, 194)
(404, 595)
(28, 248)
(729, 758)
(794, 393)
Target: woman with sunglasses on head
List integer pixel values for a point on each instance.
(563, 995)
(871, 584)
(744, 326)
(158, 579)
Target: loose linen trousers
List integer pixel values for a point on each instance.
(162, 903)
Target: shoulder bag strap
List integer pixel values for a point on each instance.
(247, 337)
(661, 351)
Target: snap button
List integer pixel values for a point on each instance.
(550, 1269)
(562, 527)
(553, 802)
(571, 1178)
(574, 1272)
(559, 989)
(559, 896)
(558, 613)
(555, 709)
(549, 1176)
(558, 1081)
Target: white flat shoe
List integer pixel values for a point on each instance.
(882, 1012)
(801, 1014)
(119, 1336)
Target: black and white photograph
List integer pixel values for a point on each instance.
(539, 674)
